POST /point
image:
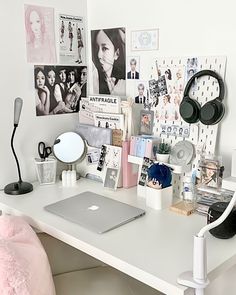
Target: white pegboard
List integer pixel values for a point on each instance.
(206, 88)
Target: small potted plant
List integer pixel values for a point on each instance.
(163, 152)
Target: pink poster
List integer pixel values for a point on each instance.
(40, 35)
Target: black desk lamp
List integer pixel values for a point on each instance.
(20, 187)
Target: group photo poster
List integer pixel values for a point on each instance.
(59, 89)
(72, 40)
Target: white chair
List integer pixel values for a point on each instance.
(76, 273)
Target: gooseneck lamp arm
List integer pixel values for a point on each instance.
(198, 278)
(14, 153)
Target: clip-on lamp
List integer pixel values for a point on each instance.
(20, 187)
(197, 279)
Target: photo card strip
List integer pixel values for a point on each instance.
(143, 176)
(102, 158)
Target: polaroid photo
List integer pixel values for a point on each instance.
(141, 92)
(133, 67)
(111, 178)
(145, 40)
(146, 122)
(93, 157)
(192, 67)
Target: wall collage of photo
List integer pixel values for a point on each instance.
(59, 85)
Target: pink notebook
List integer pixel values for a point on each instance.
(130, 171)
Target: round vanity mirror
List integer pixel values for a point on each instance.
(69, 147)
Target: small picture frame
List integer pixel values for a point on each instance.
(146, 122)
(145, 40)
(211, 173)
(111, 178)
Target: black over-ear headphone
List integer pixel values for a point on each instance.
(211, 112)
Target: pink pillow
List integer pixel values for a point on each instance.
(24, 266)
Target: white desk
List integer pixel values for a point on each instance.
(154, 249)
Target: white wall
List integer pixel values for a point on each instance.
(187, 28)
(16, 77)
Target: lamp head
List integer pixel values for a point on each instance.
(17, 110)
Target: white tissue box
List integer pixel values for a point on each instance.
(159, 198)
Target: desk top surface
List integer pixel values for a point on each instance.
(154, 249)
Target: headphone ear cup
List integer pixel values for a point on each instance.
(189, 110)
(212, 112)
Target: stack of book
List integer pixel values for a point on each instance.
(205, 199)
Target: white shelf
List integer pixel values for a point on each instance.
(135, 160)
(176, 168)
(229, 183)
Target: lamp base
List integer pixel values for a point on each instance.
(18, 188)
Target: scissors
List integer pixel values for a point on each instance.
(43, 150)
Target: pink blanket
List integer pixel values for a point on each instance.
(24, 266)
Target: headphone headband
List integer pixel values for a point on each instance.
(206, 73)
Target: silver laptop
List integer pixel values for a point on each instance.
(95, 212)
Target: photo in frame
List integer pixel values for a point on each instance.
(111, 178)
(146, 122)
(145, 40)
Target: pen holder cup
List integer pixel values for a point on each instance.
(46, 170)
(159, 198)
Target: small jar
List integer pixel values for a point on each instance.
(188, 190)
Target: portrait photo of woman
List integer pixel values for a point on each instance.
(108, 56)
(39, 27)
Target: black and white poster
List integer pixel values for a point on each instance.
(72, 40)
(58, 89)
(108, 56)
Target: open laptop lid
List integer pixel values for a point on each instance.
(95, 212)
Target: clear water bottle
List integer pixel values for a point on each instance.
(188, 190)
